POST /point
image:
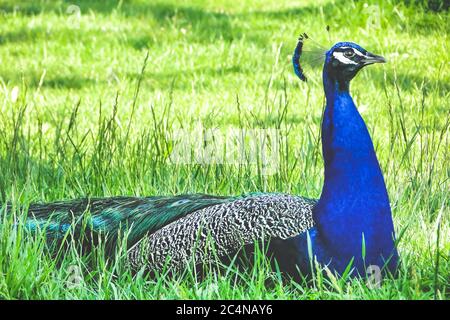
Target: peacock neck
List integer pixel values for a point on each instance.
(354, 205)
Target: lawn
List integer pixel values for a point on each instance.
(93, 92)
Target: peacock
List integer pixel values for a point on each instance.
(349, 226)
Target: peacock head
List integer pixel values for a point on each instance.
(342, 62)
(345, 59)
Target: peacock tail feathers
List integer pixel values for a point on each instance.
(112, 216)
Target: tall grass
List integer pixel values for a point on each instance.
(90, 104)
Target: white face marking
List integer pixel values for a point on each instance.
(356, 51)
(340, 56)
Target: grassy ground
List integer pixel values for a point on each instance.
(79, 116)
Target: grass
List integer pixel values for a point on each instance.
(81, 116)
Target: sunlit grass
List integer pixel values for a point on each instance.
(73, 124)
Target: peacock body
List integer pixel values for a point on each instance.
(350, 223)
(170, 232)
(229, 226)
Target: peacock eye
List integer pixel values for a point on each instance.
(349, 53)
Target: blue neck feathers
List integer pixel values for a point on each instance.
(353, 210)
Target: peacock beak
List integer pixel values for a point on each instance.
(371, 58)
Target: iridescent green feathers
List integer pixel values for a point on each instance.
(112, 216)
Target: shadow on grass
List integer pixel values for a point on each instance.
(20, 35)
(206, 26)
(52, 80)
(182, 79)
(409, 82)
(69, 82)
